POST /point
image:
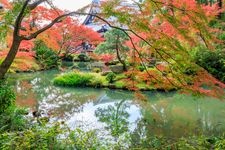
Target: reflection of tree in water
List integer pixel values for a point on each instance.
(115, 117)
(25, 96)
(55, 101)
(169, 115)
(144, 137)
(141, 135)
(63, 102)
(119, 94)
(181, 116)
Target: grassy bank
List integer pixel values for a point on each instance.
(109, 80)
(24, 62)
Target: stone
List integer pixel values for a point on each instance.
(116, 68)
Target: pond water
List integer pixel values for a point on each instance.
(113, 112)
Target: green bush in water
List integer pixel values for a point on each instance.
(110, 77)
(45, 56)
(98, 81)
(73, 79)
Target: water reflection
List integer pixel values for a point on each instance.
(180, 115)
(115, 112)
(115, 117)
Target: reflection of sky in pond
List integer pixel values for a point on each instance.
(168, 114)
(88, 119)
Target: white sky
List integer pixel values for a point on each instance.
(71, 4)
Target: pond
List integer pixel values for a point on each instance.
(113, 112)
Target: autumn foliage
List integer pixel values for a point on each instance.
(167, 31)
(65, 35)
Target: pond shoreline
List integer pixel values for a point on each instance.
(113, 87)
(160, 113)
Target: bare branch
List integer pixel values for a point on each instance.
(35, 4)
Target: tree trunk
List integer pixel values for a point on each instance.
(10, 57)
(120, 60)
(220, 4)
(118, 55)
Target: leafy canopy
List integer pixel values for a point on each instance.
(169, 30)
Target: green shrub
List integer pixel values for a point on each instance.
(222, 36)
(45, 56)
(141, 68)
(98, 81)
(71, 57)
(73, 79)
(7, 96)
(53, 137)
(120, 84)
(13, 119)
(96, 70)
(114, 62)
(83, 57)
(120, 77)
(85, 140)
(110, 77)
(190, 70)
(212, 61)
(41, 138)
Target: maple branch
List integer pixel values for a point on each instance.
(142, 61)
(186, 12)
(171, 71)
(35, 4)
(53, 7)
(19, 19)
(141, 58)
(56, 20)
(171, 5)
(133, 45)
(38, 2)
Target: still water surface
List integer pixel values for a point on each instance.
(117, 111)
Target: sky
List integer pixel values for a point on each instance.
(71, 4)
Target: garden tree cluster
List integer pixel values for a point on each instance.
(115, 44)
(46, 57)
(169, 30)
(67, 35)
(23, 21)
